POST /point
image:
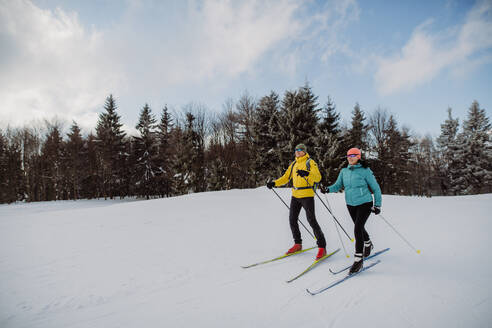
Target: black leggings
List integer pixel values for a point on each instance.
(295, 208)
(360, 214)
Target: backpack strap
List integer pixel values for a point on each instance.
(291, 169)
(308, 167)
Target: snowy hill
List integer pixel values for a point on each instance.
(176, 263)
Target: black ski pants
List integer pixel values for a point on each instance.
(295, 208)
(360, 214)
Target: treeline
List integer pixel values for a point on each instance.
(250, 141)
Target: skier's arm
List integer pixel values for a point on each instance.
(374, 185)
(338, 184)
(284, 178)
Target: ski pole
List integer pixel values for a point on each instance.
(338, 232)
(334, 218)
(289, 210)
(399, 234)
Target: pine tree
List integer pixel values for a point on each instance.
(357, 134)
(330, 118)
(51, 157)
(91, 183)
(145, 153)
(446, 143)
(296, 123)
(264, 136)
(76, 161)
(31, 144)
(308, 114)
(6, 192)
(191, 158)
(11, 174)
(110, 141)
(329, 151)
(127, 172)
(165, 157)
(474, 152)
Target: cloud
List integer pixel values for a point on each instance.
(51, 65)
(427, 54)
(337, 20)
(232, 37)
(214, 40)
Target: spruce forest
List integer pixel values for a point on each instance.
(250, 141)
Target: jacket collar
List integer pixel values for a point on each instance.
(302, 158)
(353, 167)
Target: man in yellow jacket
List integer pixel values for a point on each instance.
(305, 176)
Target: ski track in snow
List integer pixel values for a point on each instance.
(176, 262)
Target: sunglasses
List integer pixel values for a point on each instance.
(299, 149)
(352, 155)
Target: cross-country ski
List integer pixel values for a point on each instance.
(348, 276)
(312, 266)
(367, 258)
(277, 258)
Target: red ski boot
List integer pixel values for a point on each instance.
(321, 253)
(295, 248)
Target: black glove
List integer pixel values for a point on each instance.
(302, 173)
(324, 190)
(376, 209)
(270, 184)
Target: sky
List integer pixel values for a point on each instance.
(61, 59)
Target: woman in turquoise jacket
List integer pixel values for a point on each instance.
(359, 184)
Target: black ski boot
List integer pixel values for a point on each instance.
(367, 248)
(358, 264)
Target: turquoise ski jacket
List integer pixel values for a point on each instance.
(358, 182)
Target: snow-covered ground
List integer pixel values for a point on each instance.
(176, 263)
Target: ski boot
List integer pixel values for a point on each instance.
(358, 264)
(368, 246)
(295, 248)
(321, 253)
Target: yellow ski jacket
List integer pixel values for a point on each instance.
(300, 188)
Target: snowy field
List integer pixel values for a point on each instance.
(176, 263)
